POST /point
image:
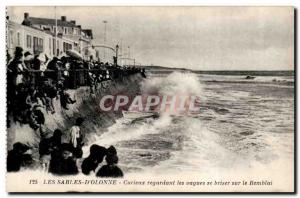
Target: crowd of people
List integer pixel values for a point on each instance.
(33, 83)
(61, 158)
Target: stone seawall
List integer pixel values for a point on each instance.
(87, 106)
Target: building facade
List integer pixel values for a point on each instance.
(37, 35)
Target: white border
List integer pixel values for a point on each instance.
(106, 2)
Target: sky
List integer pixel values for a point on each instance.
(199, 38)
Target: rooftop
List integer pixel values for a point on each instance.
(46, 21)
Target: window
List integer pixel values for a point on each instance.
(35, 45)
(38, 45)
(41, 45)
(54, 46)
(57, 49)
(65, 30)
(18, 38)
(11, 37)
(50, 40)
(66, 46)
(28, 41)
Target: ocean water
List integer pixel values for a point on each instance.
(240, 124)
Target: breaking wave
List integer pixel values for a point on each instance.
(167, 142)
(174, 83)
(211, 142)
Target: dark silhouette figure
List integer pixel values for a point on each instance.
(96, 156)
(111, 169)
(16, 158)
(36, 117)
(65, 99)
(47, 145)
(111, 150)
(61, 162)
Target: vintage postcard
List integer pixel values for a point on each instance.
(150, 99)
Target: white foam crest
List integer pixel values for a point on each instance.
(201, 149)
(120, 132)
(173, 84)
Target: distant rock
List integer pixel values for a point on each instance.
(250, 77)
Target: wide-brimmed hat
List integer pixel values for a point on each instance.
(42, 57)
(20, 147)
(97, 152)
(27, 53)
(28, 57)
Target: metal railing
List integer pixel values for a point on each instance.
(75, 77)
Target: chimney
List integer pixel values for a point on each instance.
(73, 22)
(63, 18)
(26, 15)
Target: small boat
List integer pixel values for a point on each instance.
(138, 114)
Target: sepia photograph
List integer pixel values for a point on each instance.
(150, 99)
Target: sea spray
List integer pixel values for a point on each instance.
(200, 151)
(123, 131)
(180, 131)
(173, 84)
(212, 142)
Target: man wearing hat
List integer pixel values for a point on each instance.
(16, 67)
